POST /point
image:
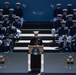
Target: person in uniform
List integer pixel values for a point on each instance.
(57, 24)
(6, 9)
(74, 14)
(65, 45)
(11, 14)
(58, 21)
(17, 22)
(11, 32)
(70, 10)
(63, 30)
(36, 59)
(5, 46)
(2, 30)
(19, 12)
(64, 16)
(58, 10)
(1, 14)
(69, 21)
(5, 20)
(72, 31)
(36, 40)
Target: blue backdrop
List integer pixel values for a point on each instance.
(38, 10)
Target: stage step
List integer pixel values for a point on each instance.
(40, 35)
(40, 30)
(26, 49)
(25, 43)
(45, 34)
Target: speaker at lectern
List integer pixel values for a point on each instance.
(35, 51)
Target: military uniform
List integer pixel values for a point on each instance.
(70, 10)
(57, 11)
(72, 31)
(5, 46)
(74, 17)
(63, 30)
(19, 12)
(64, 16)
(2, 31)
(1, 17)
(69, 22)
(6, 10)
(36, 59)
(1, 14)
(17, 22)
(64, 46)
(36, 41)
(57, 24)
(74, 14)
(17, 25)
(12, 32)
(11, 15)
(5, 21)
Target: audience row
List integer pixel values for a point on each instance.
(12, 12)
(64, 12)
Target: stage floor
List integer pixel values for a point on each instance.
(38, 74)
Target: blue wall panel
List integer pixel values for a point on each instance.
(38, 10)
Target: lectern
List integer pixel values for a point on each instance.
(35, 51)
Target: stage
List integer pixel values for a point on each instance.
(52, 63)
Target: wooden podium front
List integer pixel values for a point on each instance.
(35, 51)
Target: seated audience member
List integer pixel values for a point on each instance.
(74, 43)
(17, 22)
(11, 14)
(12, 32)
(74, 14)
(64, 45)
(58, 21)
(57, 24)
(19, 12)
(5, 46)
(2, 30)
(63, 30)
(5, 20)
(69, 21)
(64, 16)
(72, 31)
(70, 10)
(1, 14)
(6, 9)
(58, 10)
